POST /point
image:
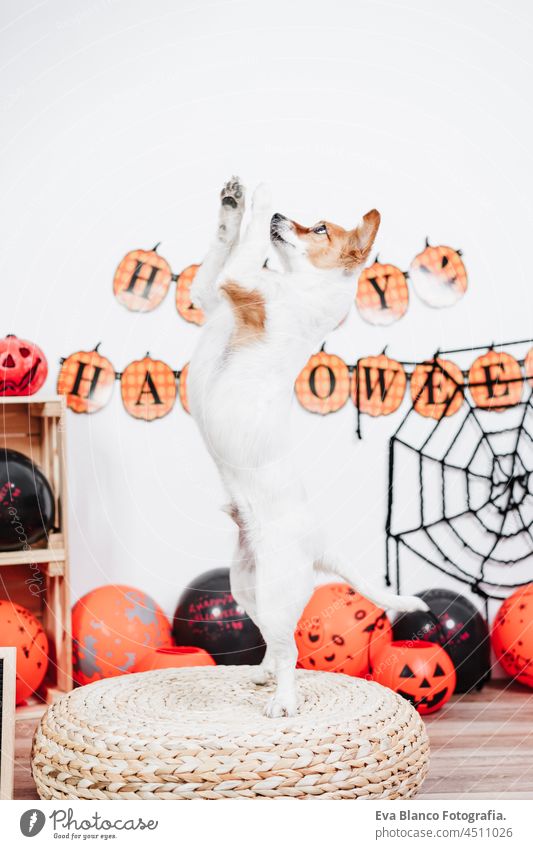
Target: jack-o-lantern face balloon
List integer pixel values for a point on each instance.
(184, 305)
(439, 276)
(142, 280)
(184, 398)
(382, 294)
(340, 631)
(421, 672)
(495, 381)
(437, 388)
(148, 389)
(87, 380)
(323, 386)
(23, 367)
(378, 386)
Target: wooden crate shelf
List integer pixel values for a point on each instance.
(39, 578)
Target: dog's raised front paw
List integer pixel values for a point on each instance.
(281, 705)
(232, 194)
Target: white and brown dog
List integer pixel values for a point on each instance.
(262, 326)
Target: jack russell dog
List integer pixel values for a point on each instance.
(261, 328)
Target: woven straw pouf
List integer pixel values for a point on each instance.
(200, 733)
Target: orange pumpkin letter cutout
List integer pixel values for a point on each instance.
(439, 276)
(184, 305)
(382, 294)
(142, 280)
(148, 389)
(378, 386)
(437, 388)
(323, 386)
(495, 381)
(183, 388)
(87, 379)
(528, 366)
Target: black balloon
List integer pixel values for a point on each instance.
(458, 626)
(26, 502)
(208, 616)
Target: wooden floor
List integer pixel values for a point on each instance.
(481, 747)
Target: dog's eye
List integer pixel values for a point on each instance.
(320, 229)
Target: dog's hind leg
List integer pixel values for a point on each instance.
(284, 582)
(203, 290)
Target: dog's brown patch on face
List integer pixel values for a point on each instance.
(337, 247)
(249, 310)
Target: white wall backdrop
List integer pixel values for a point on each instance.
(120, 120)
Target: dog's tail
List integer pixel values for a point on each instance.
(333, 563)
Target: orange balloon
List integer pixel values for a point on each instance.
(20, 628)
(173, 657)
(113, 627)
(512, 635)
(421, 672)
(340, 631)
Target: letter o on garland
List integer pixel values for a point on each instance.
(184, 398)
(184, 305)
(495, 381)
(323, 386)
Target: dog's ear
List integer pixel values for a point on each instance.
(360, 239)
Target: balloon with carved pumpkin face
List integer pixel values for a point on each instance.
(438, 275)
(495, 381)
(23, 366)
(148, 389)
(378, 386)
(323, 386)
(141, 280)
(340, 631)
(382, 294)
(87, 380)
(421, 672)
(184, 305)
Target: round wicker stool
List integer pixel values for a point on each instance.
(200, 733)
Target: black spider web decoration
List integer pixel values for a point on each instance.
(471, 515)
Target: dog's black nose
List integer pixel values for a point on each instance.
(277, 217)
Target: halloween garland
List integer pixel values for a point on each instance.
(439, 277)
(376, 384)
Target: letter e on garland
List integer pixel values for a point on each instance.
(87, 380)
(323, 386)
(437, 388)
(495, 381)
(148, 389)
(378, 386)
